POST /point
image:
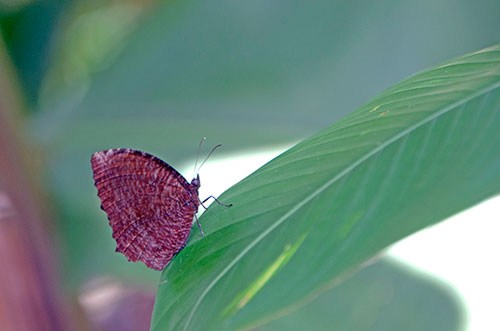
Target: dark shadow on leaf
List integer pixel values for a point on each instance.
(384, 296)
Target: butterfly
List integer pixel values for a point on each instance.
(150, 206)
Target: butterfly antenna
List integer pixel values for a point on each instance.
(213, 149)
(198, 155)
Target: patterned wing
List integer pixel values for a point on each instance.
(150, 206)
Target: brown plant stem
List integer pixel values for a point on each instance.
(30, 294)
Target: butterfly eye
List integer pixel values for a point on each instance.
(196, 181)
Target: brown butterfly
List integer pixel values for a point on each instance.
(150, 206)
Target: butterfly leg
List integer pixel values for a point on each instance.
(220, 203)
(199, 226)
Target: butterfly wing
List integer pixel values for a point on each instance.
(150, 206)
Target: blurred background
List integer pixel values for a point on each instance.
(81, 76)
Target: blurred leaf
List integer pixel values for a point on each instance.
(419, 152)
(255, 73)
(93, 35)
(8, 6)
(384, 296)
(28, 33)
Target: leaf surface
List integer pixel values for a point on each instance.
(421, 151)
(385, 296)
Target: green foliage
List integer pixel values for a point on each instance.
(383, 296)
(419, 152)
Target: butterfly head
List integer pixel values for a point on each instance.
(196, 182)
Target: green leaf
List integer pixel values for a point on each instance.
(416, 154)
(384, 296)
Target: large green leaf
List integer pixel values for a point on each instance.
(422, 150)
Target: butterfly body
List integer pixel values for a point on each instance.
(150, 206)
